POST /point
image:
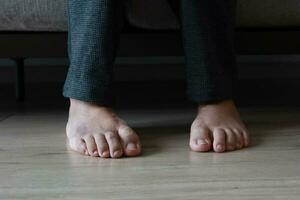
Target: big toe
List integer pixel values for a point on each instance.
(130, 141)
(200, 139)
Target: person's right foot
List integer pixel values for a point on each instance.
(97, 131)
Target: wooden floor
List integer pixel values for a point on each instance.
(35, 164)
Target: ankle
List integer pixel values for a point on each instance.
(224, 103)
(80, 103)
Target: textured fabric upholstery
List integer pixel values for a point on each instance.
(33, 15)
(50, 15)
(250, 13)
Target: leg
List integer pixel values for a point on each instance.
(92, 42)
(208, 34)
(93, 128)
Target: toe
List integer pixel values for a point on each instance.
(91, 145)
(130, 141)
(78, 145)
(239, 139)
(219, 140)
(102, 145)
(200, 139)
(115, 147)
(230, 140)
(246, 138)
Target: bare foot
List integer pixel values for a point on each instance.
(218, 127)
(97, 131)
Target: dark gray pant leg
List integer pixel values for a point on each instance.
(92, 42)
(208, 40)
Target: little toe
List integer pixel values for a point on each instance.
(130, 141)
(219, 140)
(230, 140)
(200, 139)
(115, 147)
(78, 145)
(102, 145)
(91, 145)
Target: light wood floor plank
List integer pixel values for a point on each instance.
(35, 164)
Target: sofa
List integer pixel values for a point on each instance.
(38, 28)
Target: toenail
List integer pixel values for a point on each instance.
(131, 146)
(95, 152)
(201, 141)
(220, 147)
(117, 153)
(105, 154)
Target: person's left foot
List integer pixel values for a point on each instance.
(218, 127)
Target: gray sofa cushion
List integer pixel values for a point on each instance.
(50, 15)
(268, 13)
(149, 15)
(33, 15)
(250, 13)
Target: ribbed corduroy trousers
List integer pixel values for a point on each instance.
(207, 29)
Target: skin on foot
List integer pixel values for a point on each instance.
(218, 127)
(97, 131)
